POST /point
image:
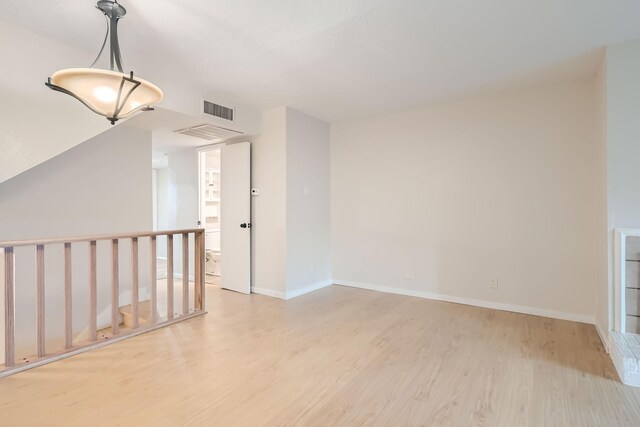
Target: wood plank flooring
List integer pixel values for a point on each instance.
(336, 357)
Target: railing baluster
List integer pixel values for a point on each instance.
(9, 309)
(134, 282)
(41, 351)
(93, 291)
(185, 274)
(154, 281)
(169, 276)
(68, 325)
(199, 277)
(115, 289)
(156, 319)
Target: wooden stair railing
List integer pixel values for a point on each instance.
(134, 327)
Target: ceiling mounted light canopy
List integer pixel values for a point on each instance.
(113, 93)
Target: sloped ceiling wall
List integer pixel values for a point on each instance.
(35, 123)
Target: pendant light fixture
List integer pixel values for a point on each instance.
(113, 93)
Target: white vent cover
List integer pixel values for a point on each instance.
(208, 132)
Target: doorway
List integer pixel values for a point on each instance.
(210, 209)
(225, 214)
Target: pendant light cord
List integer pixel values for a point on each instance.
(104, 43)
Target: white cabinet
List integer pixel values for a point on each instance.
(212, 199)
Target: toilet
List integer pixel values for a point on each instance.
(212, 262)
(212, 252)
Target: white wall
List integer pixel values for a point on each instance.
(102, 186)
(268, 211)
(623, 143)
(290, 225)
(308, 225)
(603, 247)
(183, 202)
(456, 194)
(162, 191)
(623, 134)
(183, 189)
(162, 203)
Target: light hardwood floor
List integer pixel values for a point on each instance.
(338, 356)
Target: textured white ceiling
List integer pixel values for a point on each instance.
(344, 59)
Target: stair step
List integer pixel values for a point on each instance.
(144, 313)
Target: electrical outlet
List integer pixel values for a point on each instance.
(408, 273)
(493, 284)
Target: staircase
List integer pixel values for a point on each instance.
(126, 317)
(144, 314)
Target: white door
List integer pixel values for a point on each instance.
(235, 217)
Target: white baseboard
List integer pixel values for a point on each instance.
(468, 301)
(268, 292)
(314, 287)
(292, 294)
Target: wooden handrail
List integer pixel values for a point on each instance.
(18, 243)
(44, 355)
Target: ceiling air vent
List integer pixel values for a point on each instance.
(218, 111)
(208, 132)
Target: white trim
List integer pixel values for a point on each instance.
(619, 279)
(268, 292)
(619, 276)
(474, 302)
(162, 258)
(314, 287)
(214, 146)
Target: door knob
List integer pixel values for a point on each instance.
(245, 225)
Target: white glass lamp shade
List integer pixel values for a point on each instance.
(108, 93)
